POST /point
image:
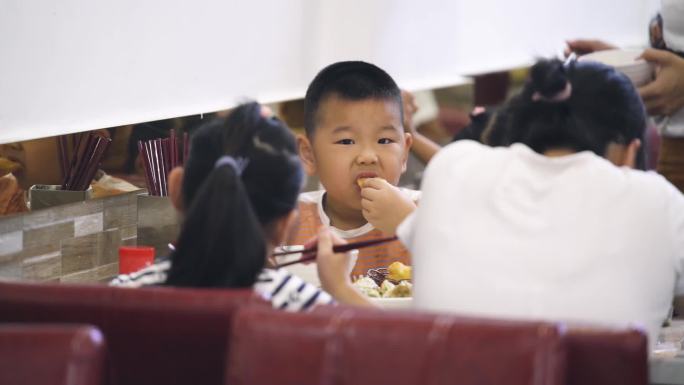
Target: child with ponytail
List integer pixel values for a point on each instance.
(238, 192)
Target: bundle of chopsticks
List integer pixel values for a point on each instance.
(159, 157)
(86, 151)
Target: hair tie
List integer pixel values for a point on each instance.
(561, 96)
(238, 164)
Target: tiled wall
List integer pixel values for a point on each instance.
(72, 243)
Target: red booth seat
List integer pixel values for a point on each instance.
(156, 336)
(51, 355)
(606, 356)
(355, 346)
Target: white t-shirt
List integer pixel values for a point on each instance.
(507, 232)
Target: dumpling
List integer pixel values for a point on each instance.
(368, 287)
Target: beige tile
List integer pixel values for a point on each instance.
(129, 232)
(26, 254)
(10, 279)
(81, 253)
(60, 214)
(156, 211)
(48, 234)
(11, 268)
(158, 237)
(86, 276)
(109, 253)
(43, 268)
(11, 242)
(107, 272)
(120, 216)
(11, 223)
(121, 210)
(88, 224)
(129, 198)
(40, 250)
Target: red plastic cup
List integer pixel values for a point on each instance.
(134, 258)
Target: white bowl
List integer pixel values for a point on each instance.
(639, 71)
(393, 303)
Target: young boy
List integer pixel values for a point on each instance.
(356, 144)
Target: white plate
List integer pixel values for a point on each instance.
(614, 57)
(393, 303)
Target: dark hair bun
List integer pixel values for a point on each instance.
(548, 77)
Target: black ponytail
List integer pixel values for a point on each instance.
(548, 79)
(583, 106)
(221, 242)
(228, 207)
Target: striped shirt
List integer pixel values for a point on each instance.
(312, 216)
(284, 290)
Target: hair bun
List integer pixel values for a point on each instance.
(548, 79)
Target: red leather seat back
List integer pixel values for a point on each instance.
(51, 355)
(606, 357)
(281, 348)
(155, 335)
(355, 346)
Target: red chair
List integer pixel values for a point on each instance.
(606, 357)
(355, 346)
(159, 336)
(51, 355)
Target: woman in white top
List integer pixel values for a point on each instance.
(238, 192)
(555, 223)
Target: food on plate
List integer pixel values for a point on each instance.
(379, 284)
(386, 287)
(402, 290)
(378, 275)
(368, 287)
(397, 271)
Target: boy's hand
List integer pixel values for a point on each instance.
(334, 270)
(384, 205)
(664, 95)
(410, 109)
(585, 46)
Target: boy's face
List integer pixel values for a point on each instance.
(352, 140)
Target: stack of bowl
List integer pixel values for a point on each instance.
(627, 61)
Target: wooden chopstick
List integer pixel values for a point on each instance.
(186, 147)
(94, 163)
(160, 156)
(309, 254)
(63, 157)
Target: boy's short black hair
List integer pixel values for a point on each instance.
(351, 80)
